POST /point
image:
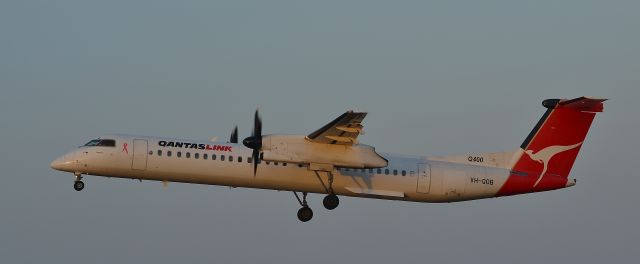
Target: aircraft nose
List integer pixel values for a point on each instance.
(64, 163)
(58, 163)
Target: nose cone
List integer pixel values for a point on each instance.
(64, 163)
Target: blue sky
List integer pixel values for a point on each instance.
(437, 77)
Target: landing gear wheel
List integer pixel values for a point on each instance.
(78, 185)
(331, 201)
(305, 214)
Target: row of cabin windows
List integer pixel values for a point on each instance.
(206, 156)
(112, 143)
(249, 160)
(379, 171)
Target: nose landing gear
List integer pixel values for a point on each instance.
(78, 185)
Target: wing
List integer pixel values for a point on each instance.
(344, 130)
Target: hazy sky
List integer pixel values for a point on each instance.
(437, 77)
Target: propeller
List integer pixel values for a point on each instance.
(255, 141)
(234, 136)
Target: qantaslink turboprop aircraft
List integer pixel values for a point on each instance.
(331, 161)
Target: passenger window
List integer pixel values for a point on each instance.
(284, 164)
(213, 156)
(370, 170)
(168, 153)
(150, 152)
(395, 172)
(159, 152)
(239, 159)
(275, 163)
(379, 171)
(404, 173)
(249, 160)
(230, 158)
(386, 171)
(196, 156)
(205, 156)
(222, 157)
(179, 154)
(188, 155)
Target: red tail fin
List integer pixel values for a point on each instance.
(548, 153)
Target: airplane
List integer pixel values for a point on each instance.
(332, 162)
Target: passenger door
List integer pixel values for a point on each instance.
(424, 178)
(139, 154)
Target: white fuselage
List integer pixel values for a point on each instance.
(409, 178)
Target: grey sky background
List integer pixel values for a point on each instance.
(437, 77)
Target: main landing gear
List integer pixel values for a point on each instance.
(331, 201)
(305, 213)
(78, 185)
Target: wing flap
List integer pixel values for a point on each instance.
(343, 130)
(355, 129)
(341, 139)
(376, 193)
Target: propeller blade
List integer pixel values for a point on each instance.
(254, 142)
(234, 136)
(257, 126)
(256, 159)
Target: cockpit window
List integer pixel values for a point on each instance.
(107, 143)
(101, 143)
(92, 143)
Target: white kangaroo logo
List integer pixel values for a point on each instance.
(545, 155)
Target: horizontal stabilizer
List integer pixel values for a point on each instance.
(587, 104)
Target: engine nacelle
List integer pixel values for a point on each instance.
(299, 149)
